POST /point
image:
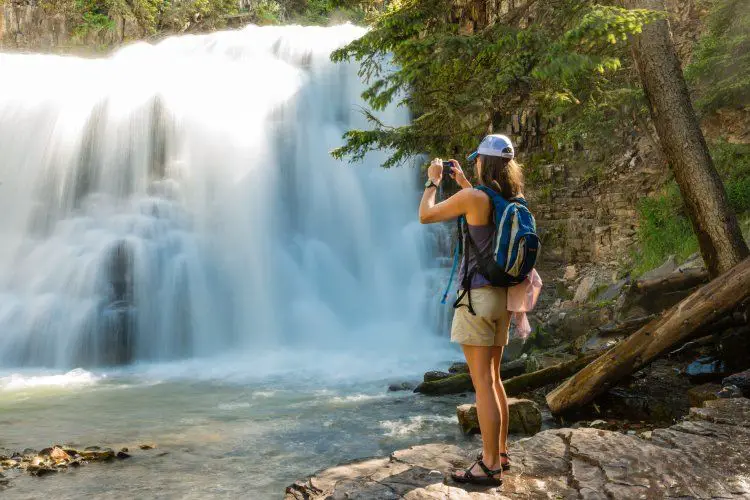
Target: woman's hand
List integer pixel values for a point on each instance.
(458, 175)
(435, 171)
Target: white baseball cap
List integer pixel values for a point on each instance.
(494, 145)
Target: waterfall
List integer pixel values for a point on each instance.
(179, 200)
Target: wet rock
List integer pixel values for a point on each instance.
(455, 384)
(729, 391)
(657, 393)
(459, 367)
(701, 393)
(433, 376)
(403, 386)
(525, 417)
(147, 446)
(703, 457)
(6, 454)
(740, 380)
(122, 454)
(98, 455)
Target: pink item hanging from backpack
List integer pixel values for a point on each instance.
(522, 299)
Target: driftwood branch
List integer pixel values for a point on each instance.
(682, 322)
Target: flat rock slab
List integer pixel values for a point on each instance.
(705, 456)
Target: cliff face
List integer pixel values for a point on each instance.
(34, 25)
(586, 204)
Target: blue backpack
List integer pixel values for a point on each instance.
(516, 246)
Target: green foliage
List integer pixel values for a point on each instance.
(720, 66)
(94, 18)
(665, 229)
(324, 12)
(151, 16)
(461, 86)
(733, 163)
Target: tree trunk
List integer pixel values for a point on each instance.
(684, 146)
(681, 323)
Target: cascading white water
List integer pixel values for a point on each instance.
(180, 200)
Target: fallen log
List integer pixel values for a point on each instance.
(540, 378)
(679, 324)
(675, 282)
(624, 327)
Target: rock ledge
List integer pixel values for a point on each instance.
(705, 456)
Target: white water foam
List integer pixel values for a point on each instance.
(178, 201)
(72, 379)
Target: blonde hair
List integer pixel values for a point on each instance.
(501, 174)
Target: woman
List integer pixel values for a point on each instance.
(483, 333)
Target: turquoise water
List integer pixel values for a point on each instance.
(233, 436)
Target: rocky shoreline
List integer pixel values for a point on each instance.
(56, 458)
(706, 455)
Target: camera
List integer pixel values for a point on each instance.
(448, 168)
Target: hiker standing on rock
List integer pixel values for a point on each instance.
(499, 250)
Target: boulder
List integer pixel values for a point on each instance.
(525, 417)
(729, 391)
(701, 393)
(455, 384)
(668, 267)
(435, 375)
(402, 386)
(584, 289)
(459, 367)
(570, 273)
(741, 380)
(702, 457)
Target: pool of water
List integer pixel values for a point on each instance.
(230, 429)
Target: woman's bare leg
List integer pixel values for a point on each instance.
(479, 359)
(501, 398)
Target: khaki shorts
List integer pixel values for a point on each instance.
(490, 325)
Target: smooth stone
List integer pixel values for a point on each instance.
(435, 375)
(455, 384)
(525, 417)
(403, 386)
(459, 367)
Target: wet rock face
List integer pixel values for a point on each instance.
(705, 456)
(740, 380)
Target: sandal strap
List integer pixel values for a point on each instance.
(489, 472)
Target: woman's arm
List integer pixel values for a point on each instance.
(451, 208)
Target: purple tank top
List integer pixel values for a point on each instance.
(483, 237)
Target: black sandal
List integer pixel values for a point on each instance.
(505, 466)
(488, 480)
